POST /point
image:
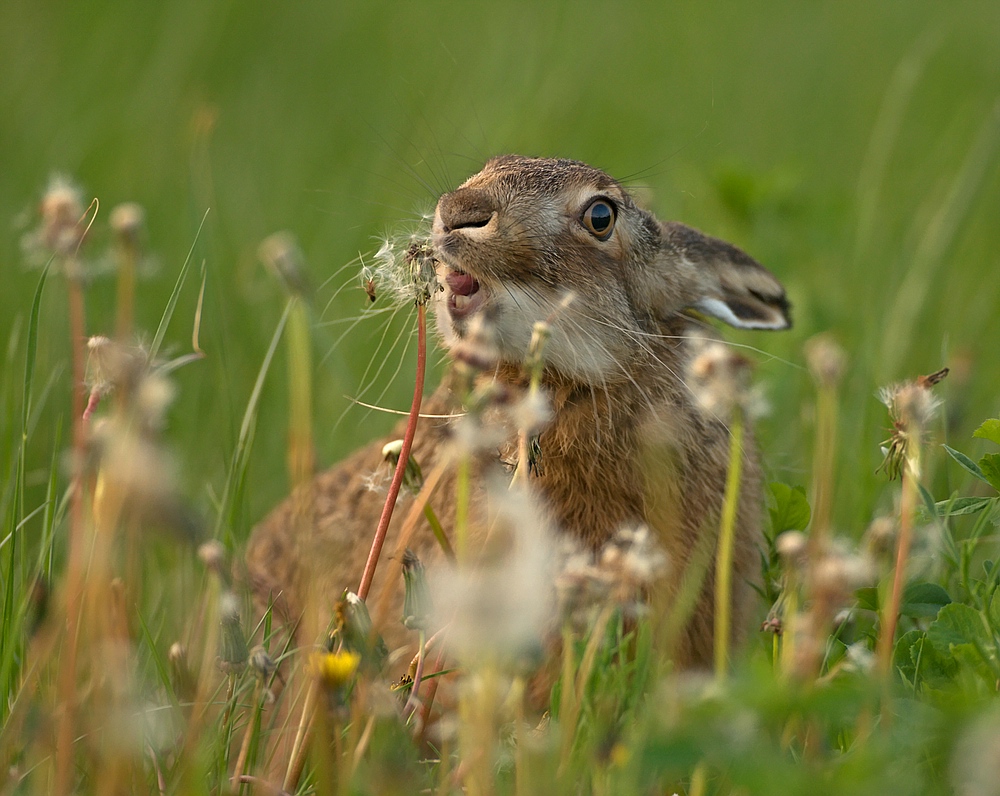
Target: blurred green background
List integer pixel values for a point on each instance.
(852, 147)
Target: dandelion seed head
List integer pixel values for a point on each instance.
(791, 546)
(827, 361)
(282, 256)
(114, 366)
(213, 555)
(532, 412)
(912, 407)
(61, 212)
(718, 377)
(127, 222)
(404, 266)
(499, 608)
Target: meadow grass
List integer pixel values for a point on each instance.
(852, 149)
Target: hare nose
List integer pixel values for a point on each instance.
(465, 209)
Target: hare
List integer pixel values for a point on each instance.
(532, 239)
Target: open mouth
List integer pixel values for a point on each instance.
(464, 296)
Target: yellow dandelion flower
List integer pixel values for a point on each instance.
(333, 669)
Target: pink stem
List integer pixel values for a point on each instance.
(397, 476)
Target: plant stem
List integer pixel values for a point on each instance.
(397, 476)
(74, 573)
(890, 614)
(724, 559)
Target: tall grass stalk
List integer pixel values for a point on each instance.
(724, 557)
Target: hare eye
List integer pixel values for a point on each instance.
(599, 218)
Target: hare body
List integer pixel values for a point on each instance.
(528, 240)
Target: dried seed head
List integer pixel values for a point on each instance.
(633, 559)
(127, 222)
(213, 556)
(792, 546)
(880, 537)
(404, 267)
(417, 597)
(478, 350)
(282, 256)
(912, 407)
(233, 652)
(532, 412)
(114, 366)
(826, 359)
(61, 209)
(261, 663)
(718, 377)
(356, 632)
(499, 607)
(621, 575)
(181, 677)
(413, 475)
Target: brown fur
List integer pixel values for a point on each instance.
(626, 443)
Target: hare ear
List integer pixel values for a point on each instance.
(726, 282)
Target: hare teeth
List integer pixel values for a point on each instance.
(461, 302)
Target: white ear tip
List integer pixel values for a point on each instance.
(720, 309)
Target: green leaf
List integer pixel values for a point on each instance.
(960, 631)
(990, 429)
(966, 463)
(790, 511)
(930, 667)
(959, 506)
(990, 465)
(902, 661)
(923, 600)
(957, 623)
(867, 597)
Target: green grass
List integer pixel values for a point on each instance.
(854, 148)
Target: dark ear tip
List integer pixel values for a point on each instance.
(781, 303)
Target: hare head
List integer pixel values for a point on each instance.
(529, 239)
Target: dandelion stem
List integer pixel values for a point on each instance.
(890, 614)
(724, 559)
(404, 455)
(74, 573)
